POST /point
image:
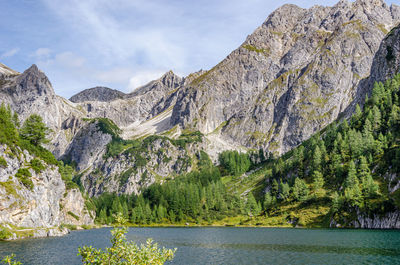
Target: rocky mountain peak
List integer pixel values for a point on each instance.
(99, 93)
(371, 3)
(291, 77)
(34, 81)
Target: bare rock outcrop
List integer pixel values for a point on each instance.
(293, 76)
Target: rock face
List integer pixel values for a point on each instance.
(387, 60)
(293, 76)
(31, 92)
(134, 108)
(154, 159)
(88, 146)
(103, 94)
(47, 204)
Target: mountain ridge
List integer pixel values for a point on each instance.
(295, 74)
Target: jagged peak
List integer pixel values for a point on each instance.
(285, 12)
(370, 2)
(34, 78)
(170, 76)
(33, 70)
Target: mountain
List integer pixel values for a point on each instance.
(301, 70)
(298, 72)
(36, 191)
(99, 93)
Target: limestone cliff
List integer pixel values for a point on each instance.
(293, 76)
(37, 200)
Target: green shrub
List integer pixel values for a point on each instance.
(9, 260)
(125, 252)
(73, 215)
(5, 233)
(37, 165)
(3, 162)
(24, 176)
(68, 226)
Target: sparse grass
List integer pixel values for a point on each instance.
(257, 50)
(10, 188)
(3, 162)
(73, 215)
(24, 176)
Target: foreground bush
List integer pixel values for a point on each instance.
(125, 252)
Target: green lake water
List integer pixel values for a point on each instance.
(228, 245)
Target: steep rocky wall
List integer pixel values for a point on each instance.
(46, 204)
(153, 159)
(293, 76)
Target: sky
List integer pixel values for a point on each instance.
(123, 44)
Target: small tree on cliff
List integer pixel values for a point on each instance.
(34, 130)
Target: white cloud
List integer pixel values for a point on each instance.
(70, 59)
(115, 75)
(42, 53)
(142, 78)
(9, 53)
(119, 39)
(65, 60)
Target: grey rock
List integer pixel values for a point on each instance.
(132, 171)
(293, 76)
(88, 146)
(103, 94)
(46, 205)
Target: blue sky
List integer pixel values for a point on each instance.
(123, 44)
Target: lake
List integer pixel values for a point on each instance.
(228, 245)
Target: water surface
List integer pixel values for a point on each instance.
(228, 245)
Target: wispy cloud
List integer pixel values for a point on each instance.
(42, 53)
(9, 53)
(142, 78)
(126, 43)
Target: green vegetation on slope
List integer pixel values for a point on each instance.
(343, 167)
(197, 197)
(30, 136)
(337, 175)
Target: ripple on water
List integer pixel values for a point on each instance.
(228, 246)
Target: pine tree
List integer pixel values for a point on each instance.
(352, 187)
(103, 216)
(252, 207)
(316, 162)
(285, 191)
(355, 119)
(269, 202)
(300, 190)
(275, 188)
(318, 180)
(34, 130)
(369, 187)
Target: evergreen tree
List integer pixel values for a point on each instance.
(369, 188)
(252, 207)
(316, 162)
(300, 190)
(275, 188)
(269, 202)
(34, 130)
(352, 187)
(285, 191)
(318, 180)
